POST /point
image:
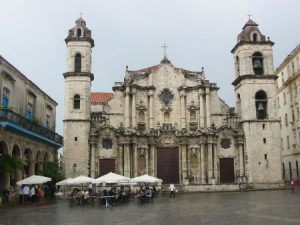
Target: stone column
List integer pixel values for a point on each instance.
(209, 161)
(127, 125)
(184, 164)
(126, 160)
(216, 159)
(152, 162)
(121, 160)
(31, 170)
(183, 109)
(134, 108)
(241, 159)
(202, 153)
(151, 110)
(18, 175)
(201, 109)
(135, 159)
(207, 107)
(40, 166)
(199, 165)
(93, 168)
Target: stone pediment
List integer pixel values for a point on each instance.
(229, 130)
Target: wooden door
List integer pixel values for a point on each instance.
(226, 170)
(168, 165)
(106, 166)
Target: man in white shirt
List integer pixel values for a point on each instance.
(26, 193)
(32, 193)
(172, 190)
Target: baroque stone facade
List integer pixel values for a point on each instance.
(170, 122)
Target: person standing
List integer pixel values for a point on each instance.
(26, 193)
(172, 190)
(32, 194)
(90, 187)
(292, 182)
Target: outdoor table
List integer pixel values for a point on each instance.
(106, 197)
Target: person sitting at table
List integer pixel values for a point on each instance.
(148, 192)
(79, 197)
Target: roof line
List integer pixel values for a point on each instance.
(18, 71)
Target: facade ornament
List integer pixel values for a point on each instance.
(166, 108)
(141, 106)
(193, 106)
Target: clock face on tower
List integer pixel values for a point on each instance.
(166, 96)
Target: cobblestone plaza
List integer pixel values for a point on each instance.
(242, 208)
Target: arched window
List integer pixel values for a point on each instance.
(254, 37)
(237, 64)
(261, 103)
(78, 32)
(76, 103)
(257, 61)
(77, 62)
(141, 116)
(238, 104)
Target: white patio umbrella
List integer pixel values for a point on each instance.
(80, 180)
(63, 182)
(34, 179)
(111, 178)
(146, 179)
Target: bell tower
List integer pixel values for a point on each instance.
(77, 110)
(255, 93)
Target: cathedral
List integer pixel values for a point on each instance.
(170, 123)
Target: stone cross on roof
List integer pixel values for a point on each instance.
(165, 50)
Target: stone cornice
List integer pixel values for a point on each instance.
(77, 120)
(261, 121)
(256, 77)
(211, 86)
(78, 74)
(251, 43)
(88, 39)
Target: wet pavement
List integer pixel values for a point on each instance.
(234, 208)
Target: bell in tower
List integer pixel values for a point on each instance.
(257, 60)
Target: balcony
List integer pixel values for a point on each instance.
(16, 123)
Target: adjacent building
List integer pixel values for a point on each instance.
(170, 122)
(27, 123)
(288, 99)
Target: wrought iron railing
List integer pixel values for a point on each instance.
(10, 116)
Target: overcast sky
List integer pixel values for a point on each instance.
(131, 32)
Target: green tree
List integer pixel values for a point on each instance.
(51, 169)
(10, 164)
